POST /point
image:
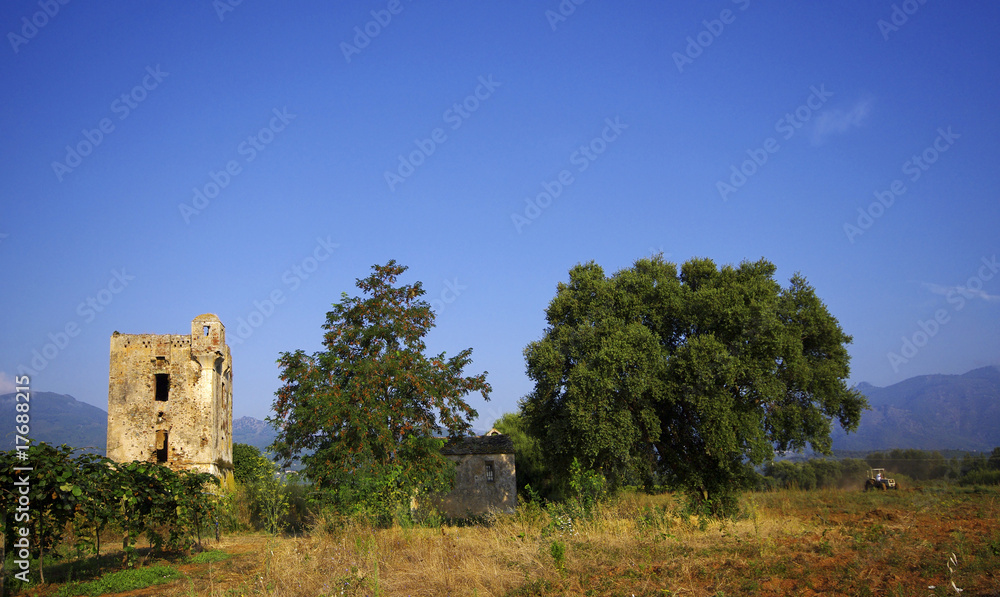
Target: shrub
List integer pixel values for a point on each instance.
(249, 464)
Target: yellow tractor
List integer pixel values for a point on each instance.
(877, 479)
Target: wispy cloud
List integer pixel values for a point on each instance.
(965, 291)
(837, 121)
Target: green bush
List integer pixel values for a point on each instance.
(250, 465)
(558, 551)
(268, 504)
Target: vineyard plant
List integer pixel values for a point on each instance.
(85, 494)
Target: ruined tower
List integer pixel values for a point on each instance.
(170, 398)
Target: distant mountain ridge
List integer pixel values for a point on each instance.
(930, 412)
(56, 419)
(248, 430)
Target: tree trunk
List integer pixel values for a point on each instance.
(41, 552)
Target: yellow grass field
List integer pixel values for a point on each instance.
(825, 542)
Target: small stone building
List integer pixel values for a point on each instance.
(170, 398)
(484, 478)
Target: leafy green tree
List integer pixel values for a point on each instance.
(527, 452)
(695, 376)
(973, 462)
(816, 473)
(364, 414)
(853, 472)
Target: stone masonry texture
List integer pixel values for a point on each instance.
(170, 398)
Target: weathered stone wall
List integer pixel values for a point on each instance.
(170, 398)
(474, 493)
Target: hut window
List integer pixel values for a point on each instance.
(489, 471)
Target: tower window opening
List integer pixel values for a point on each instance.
(205, 329)
(162, 386)
(161, 446)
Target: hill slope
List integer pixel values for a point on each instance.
(930, 412)
(248, 430)
(56, 419)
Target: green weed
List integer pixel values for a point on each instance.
(124, 580)
(205, 557)
(558, 552)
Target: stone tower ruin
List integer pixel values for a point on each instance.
(170, 398)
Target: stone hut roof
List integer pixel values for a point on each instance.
(486, 444)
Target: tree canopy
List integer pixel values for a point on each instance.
(689, 378)
(366, 413)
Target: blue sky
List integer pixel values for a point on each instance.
(163, 160)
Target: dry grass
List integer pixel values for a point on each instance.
(419, 561)
(789, 543)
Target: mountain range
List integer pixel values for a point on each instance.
(56, 419)
(928, 412)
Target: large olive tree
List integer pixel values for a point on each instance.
(690, 377)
